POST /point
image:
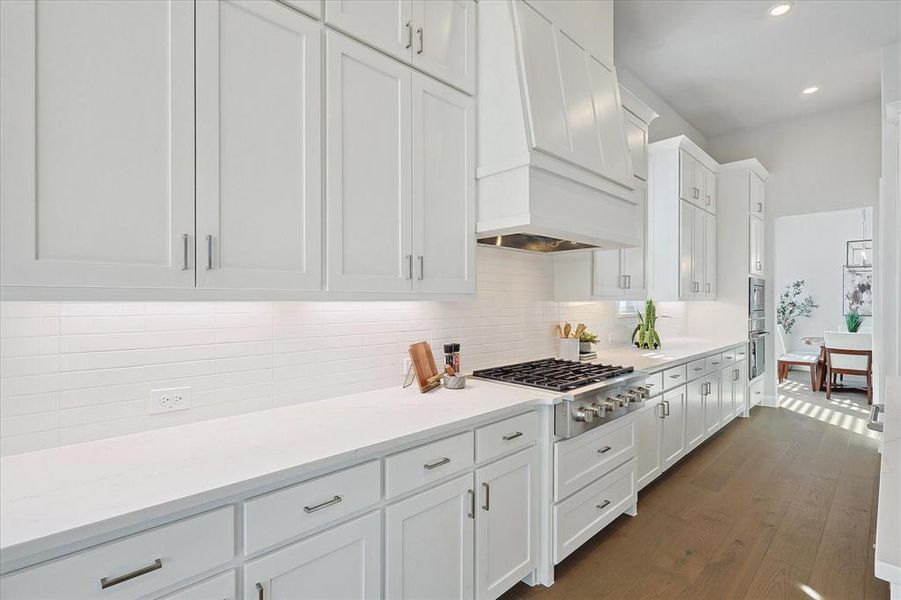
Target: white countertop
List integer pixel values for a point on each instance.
(674, 351)
(63, 495)
(888, 520)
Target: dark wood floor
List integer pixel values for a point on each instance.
(781, 505)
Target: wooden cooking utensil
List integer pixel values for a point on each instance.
(567, 329)
(424, 365)
(559, 330)
(580, 329)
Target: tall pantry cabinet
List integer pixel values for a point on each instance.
(187, 145)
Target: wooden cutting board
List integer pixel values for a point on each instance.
(424, 366)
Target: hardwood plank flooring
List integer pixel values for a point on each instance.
(781, 505)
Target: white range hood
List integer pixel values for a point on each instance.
(554, 169)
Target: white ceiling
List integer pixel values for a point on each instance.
(729, 65)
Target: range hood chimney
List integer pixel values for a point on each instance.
(555, 172)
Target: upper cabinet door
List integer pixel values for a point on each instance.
(700, 184)
(443, 188)
(709, 255)
(259, 191)
(710, 191)
(607, 281)
(699, 252)
(757, 202)
(383, 24)
(635, 259)
(310, 7)
(755, 252)
(368, 166)
(444, 41)
(686, 176)
(637, 137)
(609, 118)
(687, 288)
(97, 139)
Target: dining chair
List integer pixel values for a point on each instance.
(849, 354)
(787, 359)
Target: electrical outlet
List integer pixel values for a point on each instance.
(169, 400)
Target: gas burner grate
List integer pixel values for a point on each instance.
(553, 374)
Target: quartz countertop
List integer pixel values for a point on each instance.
(674, 351)
(888, 516)
(61, 496)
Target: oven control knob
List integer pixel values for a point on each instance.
(622, 400)
(599, 408)
(610, 404)
(636, 395)
(585, 414)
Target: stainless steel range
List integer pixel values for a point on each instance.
(593, 394)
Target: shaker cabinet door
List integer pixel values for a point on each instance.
(710, 243)
(443, 188)
(444, 41)
(687, 287)
(369, 200)
(649, 426)
(673, 439)
(383, 24)
(695, 429)
(97, 139)
(635, 259)
(607, 281)
(259, 192)
(686, 176)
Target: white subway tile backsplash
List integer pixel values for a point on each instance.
(79, 371)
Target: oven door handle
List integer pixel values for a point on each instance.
(757, 334)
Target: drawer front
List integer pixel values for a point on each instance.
(673, 378)
(220, 587)
(655, 382)
(133, 566)
(287, 513)
(585, 458)
(697, 368)
(728, 358)
(510, 434)
(578, 518)
(741, 352)
(714, 363)
(420, 466)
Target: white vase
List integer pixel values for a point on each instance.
(569, 349)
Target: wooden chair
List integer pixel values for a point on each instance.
(849, 354)
(786, 359)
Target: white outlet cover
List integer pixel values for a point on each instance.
(169, 400)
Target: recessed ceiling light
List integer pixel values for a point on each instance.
(810, 90)
(777, 10)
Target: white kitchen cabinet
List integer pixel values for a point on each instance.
(713, 400)
(310, 7)
(342, 562)
(444, 41)
(369, 200)
(97, 142)
(672, 439)
(220, 587)
(507, 528)
(637, 138)
(607, 280)
(649, 427)
(259, 190)
(383, 24)
(622, 274)
(756, 245)
(683, 225)
(443, 188)
(735, 391)
(757, 196)
(429, 543)
(695, 429)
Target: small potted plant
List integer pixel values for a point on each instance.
(853, 320)
(586, 340)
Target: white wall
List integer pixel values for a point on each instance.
(72, 372)
(812, 248)
(828, 161)
(669, 123)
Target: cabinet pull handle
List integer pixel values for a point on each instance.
(697, 368)
(409, 258)
(604, 449)
(708, 200)
(735, 375)
(436, 464)
(419, 34)
(662, 412)
(760, 207)
(666, 408)
(512, 436)
(697, 193)
(108, 582)
(472, 504)
(184, 242)
(707, 287)
(209, 252)
(604, 504)
(409, 27)
(487, 504)
(421, 267)
(628, 282)
(675, 376)
(321, 505)
(259, 587)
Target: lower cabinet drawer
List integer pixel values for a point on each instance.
(341, 562)
(584, 458)
(133, 566)
(505, 436)
(674, 377)
(220, 587)
(697, 368)
(578, 518)
(287, 513)
(414, 468)
(741, 352)
(714, 363)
